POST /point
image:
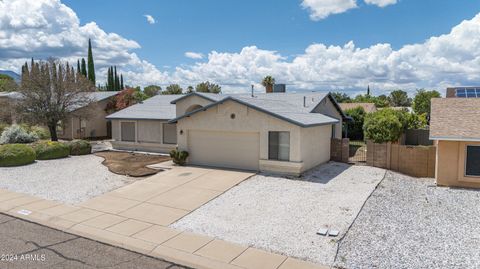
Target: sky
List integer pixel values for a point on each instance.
(307, 44)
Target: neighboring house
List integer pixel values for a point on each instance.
(368, 107)
(455, 127)
(463, 92)
(276, 132)
(82, 122)
(89, 121)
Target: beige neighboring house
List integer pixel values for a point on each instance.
(368, 107)
(82, 122)
(455, 128)
(88, 121)
(275, 132)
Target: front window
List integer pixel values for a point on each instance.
(128, 131)
(279, 146)
(169, 133)
(472, 161)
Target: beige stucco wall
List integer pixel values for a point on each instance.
(218, 118)
(450, 164)
(96, 124)
(184, 104)
(328, 108)
(149, 136)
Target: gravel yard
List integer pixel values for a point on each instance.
(71, 180)
(283, 215)
(410, 223)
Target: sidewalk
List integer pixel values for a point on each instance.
(136, 217)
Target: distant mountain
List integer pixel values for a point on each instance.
(12, 74)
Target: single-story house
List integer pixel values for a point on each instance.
(277, 132)
(82, 122)
(88, 121)
(455, 128)
(368, 107)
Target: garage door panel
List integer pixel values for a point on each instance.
(224, 149)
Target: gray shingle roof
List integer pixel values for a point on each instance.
(286, 106)
(101, 95)
(155, 108)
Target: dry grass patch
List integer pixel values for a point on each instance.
(131, 164)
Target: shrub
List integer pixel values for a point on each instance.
(47, 150)
(40, 131)
(179, 157)
(80, 147)
(16, 134)
(3, 126)
(355, 128)
(16, 154)
(383, 126)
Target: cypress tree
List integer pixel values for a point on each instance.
(79, 70)
(84, 68)
(91, 65)
(116, 83)
(121, 82)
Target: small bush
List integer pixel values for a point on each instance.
(383, 126)
(3, 126)
(40, 131)
(16, 154)
(15, 134)
(48, 150)
(80, 147)
(179, 157)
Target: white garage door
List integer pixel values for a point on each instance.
(224, 149)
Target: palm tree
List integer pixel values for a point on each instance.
(268, 83)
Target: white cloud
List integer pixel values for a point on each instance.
(193, 55)
(150, 19)
(44, 28)
(381, 3)
(320, 9)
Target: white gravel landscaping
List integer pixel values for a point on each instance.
(71, 180)
(410, 223)
(283, 215)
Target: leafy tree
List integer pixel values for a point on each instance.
(124, 99)
(7, 83)
(208, 87)
(421, 101)
(416, 121)
(341, 97)
(268, 83)
(84, 68)
(50, 91)
(189, 89)
(399, 98)
(355, 128)
(380, 101)
(173, 89)
(91, 65)
(383, 126)
(152, 90)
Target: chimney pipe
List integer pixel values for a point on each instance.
(304, 101)
(252, 89)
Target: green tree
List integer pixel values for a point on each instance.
(189, 89)
(421, 101)
(355, 127)
(116, 81)
(121, 82)
(91, 65)
(399, 98)
(383, 126)
(341, 97)
(79, 69)
(380, 101)
(173, 89)
(152, 90)
(84, 68)
(7, 84)
(208, 87)
(268, 83)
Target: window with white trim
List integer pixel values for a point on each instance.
(472, 161)
(279, 146)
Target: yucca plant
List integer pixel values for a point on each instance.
(179, 157)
